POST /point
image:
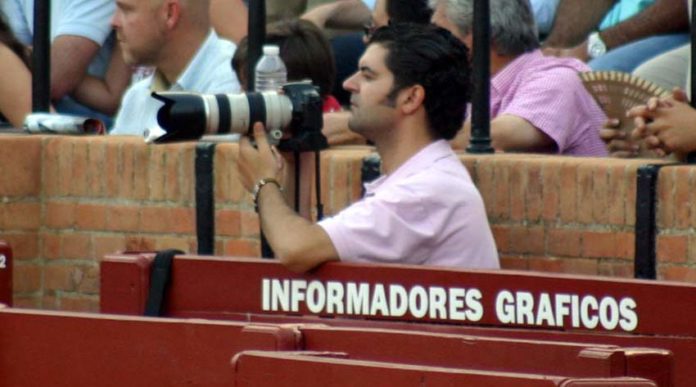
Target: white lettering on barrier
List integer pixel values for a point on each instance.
(453, 304)
(3, 261)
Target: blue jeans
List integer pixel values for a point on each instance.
(629, 56)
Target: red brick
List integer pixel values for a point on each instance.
(65, 167)
(665, 196)
(228, 223)
(60, 215)
(79, 185)
(76, 246)
(51, 245)
(585, 190)
(568, 192)
(143, 175)
(23, 154)
(157, 172)
(50, 302)
(616, 269)
(122, 218)
(188, 175)
(133, 172)
(79, 304)
(599, 244)
(139, 244)
(501, 234)
(168, 220)
(88, 283)
(59, 278)
(112, 168)
(630, 203)
(625, 245)
(682, 192)
(180, 243)
(677, 273)
(51, 156)
(500, 189)
(566, 265)
(616, 195)
(550, 186)
(518, 186)
(527, 240)
(172, 165)
(250, 224)
(228, 186)
(104, 245)
(26, 278)
(513, 263)
(564, 242)
(672, 248)
(26, 302)
(486, 186)
(22, 216)
(534, 201)
(90, 217)
(242, 248)
(96, 159)
(25, 245)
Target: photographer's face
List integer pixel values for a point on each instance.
(372, 110)
(140, 30)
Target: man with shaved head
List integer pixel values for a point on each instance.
(176, 39)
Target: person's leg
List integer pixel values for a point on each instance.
(668, 70)
(629, 56)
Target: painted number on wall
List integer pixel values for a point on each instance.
(3, 261)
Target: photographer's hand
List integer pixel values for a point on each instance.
(259, 163)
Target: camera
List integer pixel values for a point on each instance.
(293, 118)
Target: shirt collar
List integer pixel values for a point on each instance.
(192, 73)
(425, 157)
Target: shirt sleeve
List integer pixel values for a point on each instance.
(385, 228)
(90, 19)
(549, 101)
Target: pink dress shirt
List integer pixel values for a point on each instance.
(427, 212)
(548, 93)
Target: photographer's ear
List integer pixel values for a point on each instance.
(411, 98)
(172, 13)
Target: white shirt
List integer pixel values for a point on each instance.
(210, 71)
(90, 19)
(427, 212)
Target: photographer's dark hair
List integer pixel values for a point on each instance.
(303, 48)
(431, 57)
(409, 11)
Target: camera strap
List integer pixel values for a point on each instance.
(159, 281)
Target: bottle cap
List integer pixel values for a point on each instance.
(270, 49)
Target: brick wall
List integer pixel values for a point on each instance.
(67, 201)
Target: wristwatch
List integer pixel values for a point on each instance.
(595, 46)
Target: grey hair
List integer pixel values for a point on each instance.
(513, 29)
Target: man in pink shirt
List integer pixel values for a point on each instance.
(408, 97)
(538, 103)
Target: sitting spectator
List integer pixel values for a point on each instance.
(305, 52)
(409, 97)
(653, 30)
(538, 103)
(15, 78)
(176, 38)
(81, 45)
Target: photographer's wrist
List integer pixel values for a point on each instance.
(261, 186)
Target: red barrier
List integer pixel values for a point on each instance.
(258, 368)
(492, 354)
(70, 349)
(627, 313)
(214, 286)
(5, 274)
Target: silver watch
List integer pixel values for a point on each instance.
(595, 46)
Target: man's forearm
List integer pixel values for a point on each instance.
(342, 14)
(575, 19)
(299, 244)
(70, 57)
(662, 17)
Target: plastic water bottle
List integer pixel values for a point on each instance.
(270, 72)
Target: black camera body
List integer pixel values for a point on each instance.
(293, 118)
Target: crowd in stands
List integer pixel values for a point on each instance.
(373, 91)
